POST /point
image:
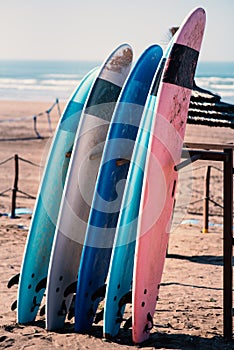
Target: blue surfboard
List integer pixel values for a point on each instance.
(118, 292)
(41, 233)
(109, 188)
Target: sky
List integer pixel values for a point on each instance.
(90, 30)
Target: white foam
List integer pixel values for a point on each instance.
(223, 86)
(62, 76)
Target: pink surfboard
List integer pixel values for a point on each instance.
(160, 176)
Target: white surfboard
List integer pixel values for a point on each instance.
(80, 183)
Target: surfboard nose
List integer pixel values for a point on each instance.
(192, 37)
(118, 65)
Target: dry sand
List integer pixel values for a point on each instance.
(189, 312)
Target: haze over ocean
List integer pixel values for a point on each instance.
(47, 80)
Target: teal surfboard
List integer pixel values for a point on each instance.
(109, 188)
(35, 261)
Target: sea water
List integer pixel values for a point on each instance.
(41, 80)
(217, 77)
(48, 80)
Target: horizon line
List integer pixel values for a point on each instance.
(89, 60)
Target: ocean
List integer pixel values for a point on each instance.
(48, 80)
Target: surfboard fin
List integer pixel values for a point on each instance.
(14, 305)
(100, 293)
(41, 285)
(71, 312)
(71, 289)
(150, 321)
(42, 311)
(63, 310)
(13, 280)
(128, 323)
(34, 304)
(126, 299)
(98, 317)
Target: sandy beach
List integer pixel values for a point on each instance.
(189, 312)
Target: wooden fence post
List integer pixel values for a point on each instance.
(206, 201)
(15, 186)
(228, 244)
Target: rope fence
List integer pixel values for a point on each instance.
(15, 190)
(211, 178)
(35, 118)
(28, 161)
(204, 194)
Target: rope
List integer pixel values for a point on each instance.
(214, 167)
(184, 206)
(1, 193)
(32, 117)
(26, 194)
(15, 119)
(23, 160)
(29, 162)
(215, 203)
(194, 169)
(5, 161)
(53, 105)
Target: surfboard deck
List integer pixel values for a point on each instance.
(41, 232)
(160, 177)
(120, 271)
(109, 189)
(79, 187)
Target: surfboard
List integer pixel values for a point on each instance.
(109, 188)
(119, 282)
(80, 183)
(160, 178)
(42, 227)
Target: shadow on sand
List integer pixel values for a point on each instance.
(200, 259)
(157, 340)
